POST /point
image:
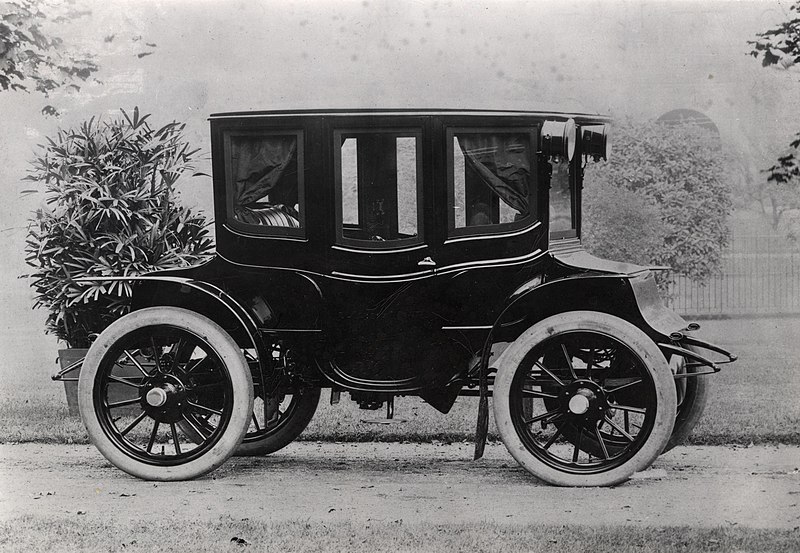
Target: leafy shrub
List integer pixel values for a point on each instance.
(622, 225)
(678, 176)
(111, 212)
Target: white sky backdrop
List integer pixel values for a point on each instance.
(624, 58)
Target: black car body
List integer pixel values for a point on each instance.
(389, 253)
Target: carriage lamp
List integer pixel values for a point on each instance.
(594, 142)
(558, 139)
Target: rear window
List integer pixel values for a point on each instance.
(265, 184)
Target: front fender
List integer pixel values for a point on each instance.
(632, 298)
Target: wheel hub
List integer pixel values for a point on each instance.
(585, 399)
(580, 402)
(157, 397)
(164, 398)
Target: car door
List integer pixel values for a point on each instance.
(381, 289)
(493, 207)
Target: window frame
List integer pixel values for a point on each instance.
(265, 230)
(533, 191)
(341, 134)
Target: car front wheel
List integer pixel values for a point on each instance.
(561, 399)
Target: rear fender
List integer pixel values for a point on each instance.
(200, 297)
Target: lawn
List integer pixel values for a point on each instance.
(45, 534)
(753, 400)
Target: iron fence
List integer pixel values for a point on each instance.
(759, 275)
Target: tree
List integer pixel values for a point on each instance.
(664, 193)
(30, 57)
(780, 47)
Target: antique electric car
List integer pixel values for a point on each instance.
(387, 253)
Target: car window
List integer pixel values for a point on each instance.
(378, 187)
(491, 179)
(265, 185)
(561, 209)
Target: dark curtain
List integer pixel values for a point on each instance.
(259, 165)
(502, 161)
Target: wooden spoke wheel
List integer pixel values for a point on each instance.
(190, 373)
(584, 399)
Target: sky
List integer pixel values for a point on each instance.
(626, 58)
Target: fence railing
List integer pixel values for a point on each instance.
(759, 275)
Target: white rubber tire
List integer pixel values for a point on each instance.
(695, 398)
(601, 323)
(220, 342)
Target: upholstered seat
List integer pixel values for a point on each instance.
(272, 216)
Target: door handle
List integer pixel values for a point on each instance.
(426, 262)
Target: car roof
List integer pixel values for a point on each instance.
(339, 112)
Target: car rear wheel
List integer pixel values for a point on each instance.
(189, 369)
(274, 424)
(279, 421)
(566, 382)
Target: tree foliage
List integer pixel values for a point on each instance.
(111, 211)
(33, 58)
(780, 47)
(663, 197)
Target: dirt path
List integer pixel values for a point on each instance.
(699, 486)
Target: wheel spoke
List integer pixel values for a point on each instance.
(135, 422)
(544, 416)
(197, 363)
(135, 362)
(156, 355)
(589, 365)
(552, 439)
(123, 381)
(620, 430)
(537, 393)
(191, 423)
(177, 351)
(123, 403)
(175, 438)
(627, 408)
(153, 435)
(569, 361)
(628, 385)
(577, 446)
(545, 369)
(204, 408)
(210, 386)
(600, 440)
(255, 422)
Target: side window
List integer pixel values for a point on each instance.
(265, 185)
(379, 198)
(491, 180)
(562, 221)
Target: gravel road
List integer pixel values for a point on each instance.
(699, 486)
